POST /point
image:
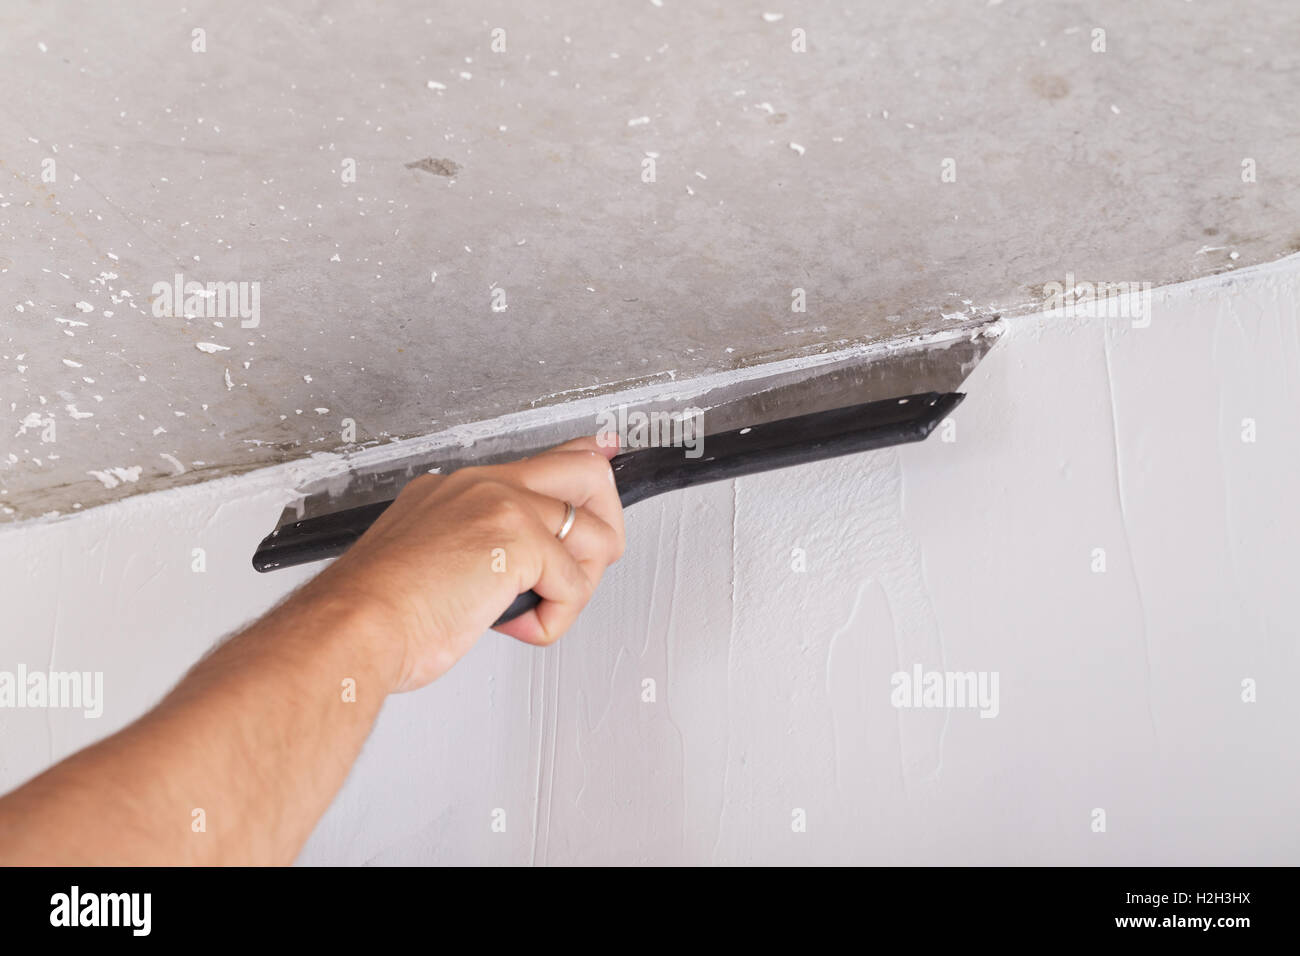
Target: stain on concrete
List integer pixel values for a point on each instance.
(1049, 86)
(439, 167)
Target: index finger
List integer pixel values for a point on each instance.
(606, 443)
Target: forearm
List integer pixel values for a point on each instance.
(236, 765)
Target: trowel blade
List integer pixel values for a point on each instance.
(933, 363)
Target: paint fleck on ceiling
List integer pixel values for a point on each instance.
(407, 216)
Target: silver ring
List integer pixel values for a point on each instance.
(569, 517)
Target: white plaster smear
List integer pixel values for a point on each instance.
(1118, 690)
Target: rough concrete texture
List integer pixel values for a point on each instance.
(773, 612)
(499, 246)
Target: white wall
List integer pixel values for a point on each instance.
(1118, 690)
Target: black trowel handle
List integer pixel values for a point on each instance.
(648, 472)
(524, 602)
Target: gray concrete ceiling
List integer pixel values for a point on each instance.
(126, 158)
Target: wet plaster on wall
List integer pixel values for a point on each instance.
(775, 171)
(1118, 690)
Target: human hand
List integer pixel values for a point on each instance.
(452, 552)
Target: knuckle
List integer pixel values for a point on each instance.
(419, 486)
(582, 459)
(465, 477)
(596, 462)
(550, 635)
(504, 506)
(595, 470)
(610, 543)
(582, 585)
(614, 542)
(492, 506)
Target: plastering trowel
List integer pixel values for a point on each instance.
(872, 398)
